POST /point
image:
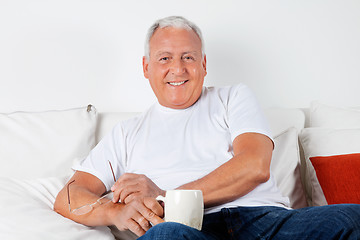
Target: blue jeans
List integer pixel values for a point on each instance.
(328, 222)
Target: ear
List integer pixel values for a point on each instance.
(145, 63)
(204, 65)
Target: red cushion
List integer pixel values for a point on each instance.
(339, 177)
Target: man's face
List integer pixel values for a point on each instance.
(176, 68)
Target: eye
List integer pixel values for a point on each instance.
(189, 58)
(164, 59)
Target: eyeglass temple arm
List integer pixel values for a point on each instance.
(68, 193)
(112, 171)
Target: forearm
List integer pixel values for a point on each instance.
(100, 215)
(230, 181)
(135, 216)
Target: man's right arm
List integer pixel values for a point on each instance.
(86, 189)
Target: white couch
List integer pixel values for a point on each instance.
(38, 149)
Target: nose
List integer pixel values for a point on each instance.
(177, 67)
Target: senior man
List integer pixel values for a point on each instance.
(193, 137)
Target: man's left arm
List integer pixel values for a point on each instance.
(249, 167)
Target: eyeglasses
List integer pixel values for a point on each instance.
(89, 207)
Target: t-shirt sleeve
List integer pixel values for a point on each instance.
(244, 113)
(109, 149)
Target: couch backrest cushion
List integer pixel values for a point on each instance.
(107, 121)
(286, 167)
(43, 144)
(281, 119)
(322, 115)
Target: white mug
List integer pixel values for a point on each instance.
(184, 206)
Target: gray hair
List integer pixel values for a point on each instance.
(172, 21)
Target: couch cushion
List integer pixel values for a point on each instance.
(107, 120)
(281, 119)
(42, 144)
(325, 116)
(339, 177)
(285, 165)
(29, 212)
(325, 142)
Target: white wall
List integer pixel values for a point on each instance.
(57, 54)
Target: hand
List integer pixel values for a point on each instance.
(131, 186)
(137, 215)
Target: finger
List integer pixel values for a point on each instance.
(121, 194)
(135, 227)
(116, 195)
(133, 197)
(129, 190)
(154, 206)
(128, 184)
(116, 191)
(122, 180)
(154, 219)
(144, 223)
(122, 183)
(138, 217)
(151, 211)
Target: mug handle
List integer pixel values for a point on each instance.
(160, 198)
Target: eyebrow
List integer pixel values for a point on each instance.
(162, 53)
(169, 53)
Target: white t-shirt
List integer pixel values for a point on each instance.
(173, 147)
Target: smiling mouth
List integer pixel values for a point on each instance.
(177, 83)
